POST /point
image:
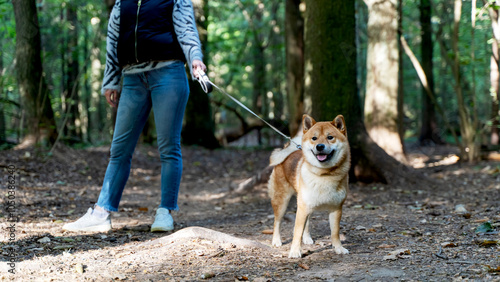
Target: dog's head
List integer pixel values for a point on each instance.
(324, 144)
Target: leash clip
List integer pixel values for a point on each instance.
(204, 82)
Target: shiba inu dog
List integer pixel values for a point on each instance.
(317, 174)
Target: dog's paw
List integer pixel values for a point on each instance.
(276, 243)
(341, 250)
(307, 240)
(295, 254)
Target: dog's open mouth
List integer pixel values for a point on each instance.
(324, 157)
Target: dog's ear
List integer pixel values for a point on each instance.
(307, 123)
(339, 123)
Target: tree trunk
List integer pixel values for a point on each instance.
(495, 76)
(401, 115)
(330, 74)
(294, 29)
(277, 69)
(72, 129)
(103, 105)
(470, 140)
(86, 97)
(95, 116)
(2, 115)
(428, 129)
(41, 126)
(200, 127)
(381, 100)
(495, 96)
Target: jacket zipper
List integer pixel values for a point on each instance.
(136, 26)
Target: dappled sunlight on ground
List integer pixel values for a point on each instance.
(409, 232)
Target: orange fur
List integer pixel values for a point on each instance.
(317, 174)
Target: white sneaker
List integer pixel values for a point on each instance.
(89, 222)
(163, 221)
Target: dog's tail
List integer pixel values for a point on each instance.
(279, 155)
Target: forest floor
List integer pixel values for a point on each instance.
(404, 232)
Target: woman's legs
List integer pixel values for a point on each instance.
(133, 112)
(169, 94)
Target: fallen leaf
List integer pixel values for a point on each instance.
(386, 246)
(399, 253)
(79, 268)
(304, 266)
(481, 220)
(488, 242)
(485, 227)
(494, 270)
(267, 231)
(390, 257)
(406, 233)
(143, 209)
(448, 245)
(44, 240)
(460, 209)
(206, 275)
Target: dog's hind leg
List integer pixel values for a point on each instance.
(280, 203)
(306, 237)
(335, 228)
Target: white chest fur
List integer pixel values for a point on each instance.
(321, 192)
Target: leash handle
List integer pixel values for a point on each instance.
(204, 81)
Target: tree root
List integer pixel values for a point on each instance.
(208, 234)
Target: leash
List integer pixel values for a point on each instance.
(206, 85)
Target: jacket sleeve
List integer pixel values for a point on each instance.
(112, 71)
(187, 34)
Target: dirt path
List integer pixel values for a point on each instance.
(430, 238)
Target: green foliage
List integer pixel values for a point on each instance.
(442, 19)
(233, 37)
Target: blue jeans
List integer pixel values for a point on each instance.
(166, 90)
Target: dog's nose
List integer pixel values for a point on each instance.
(320, 147)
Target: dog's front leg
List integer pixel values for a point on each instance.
(335, 228)
(300, 222)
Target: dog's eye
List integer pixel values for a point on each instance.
(330, 137)
(315, 138)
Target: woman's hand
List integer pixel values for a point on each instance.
(198, 65)
(112, 96)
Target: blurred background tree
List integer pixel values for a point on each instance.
(257, 51)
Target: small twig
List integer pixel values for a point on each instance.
(461, 261)
(216, 254)
(439, 254)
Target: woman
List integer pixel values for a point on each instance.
(148, 42)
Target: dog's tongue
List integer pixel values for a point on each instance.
(321, 157)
